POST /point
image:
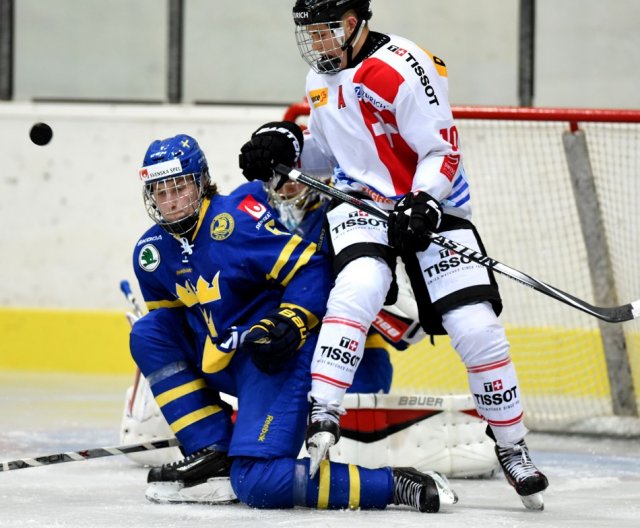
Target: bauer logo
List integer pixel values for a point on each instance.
(390, 326)
(251, 206)
(160, 170)
(421, 401)
(319, 97)
(149, 258)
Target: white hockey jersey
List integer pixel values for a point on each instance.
(387, 124)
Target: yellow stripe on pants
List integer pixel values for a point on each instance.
(325, 485)
(193, 417)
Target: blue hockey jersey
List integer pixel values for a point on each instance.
(238, 264)
(375, 372)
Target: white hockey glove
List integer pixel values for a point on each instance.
(323, 432)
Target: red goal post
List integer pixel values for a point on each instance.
(515, 113)
(555, 194)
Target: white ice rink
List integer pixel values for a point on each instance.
(593, 481)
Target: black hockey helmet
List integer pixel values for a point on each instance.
(314, 18)
(317, 11)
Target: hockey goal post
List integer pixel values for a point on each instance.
(555, 194)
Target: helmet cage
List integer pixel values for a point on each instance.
(328, 35)
(162, 192)
(320, 22)
(291, 208)
(174, 173)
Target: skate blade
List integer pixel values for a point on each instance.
(318, 448)
(215, 491)
(445, 491)
(533, 502)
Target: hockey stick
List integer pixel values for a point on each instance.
(614, 314)
(86, 454)
(125, 288)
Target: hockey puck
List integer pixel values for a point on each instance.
(41, 134)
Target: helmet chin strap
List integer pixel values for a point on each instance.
(354, 37)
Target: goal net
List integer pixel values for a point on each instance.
(527, 208)
(555, 195)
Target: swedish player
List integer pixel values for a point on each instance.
(234, 303)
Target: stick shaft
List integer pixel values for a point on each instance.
(86, 454)
(615, 314)
(125, 287)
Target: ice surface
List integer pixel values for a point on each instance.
(594, 481)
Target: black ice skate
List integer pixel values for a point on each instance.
(202, 477)
(422, 491)
(519, 470)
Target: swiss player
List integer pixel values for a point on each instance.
(380, 114)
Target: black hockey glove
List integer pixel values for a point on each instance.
(412, 218)
(275, 339)
(272, 143)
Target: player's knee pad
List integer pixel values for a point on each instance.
(360, 289)
(262, 482)
(476, 333)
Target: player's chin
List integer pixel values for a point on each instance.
(174, 217)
